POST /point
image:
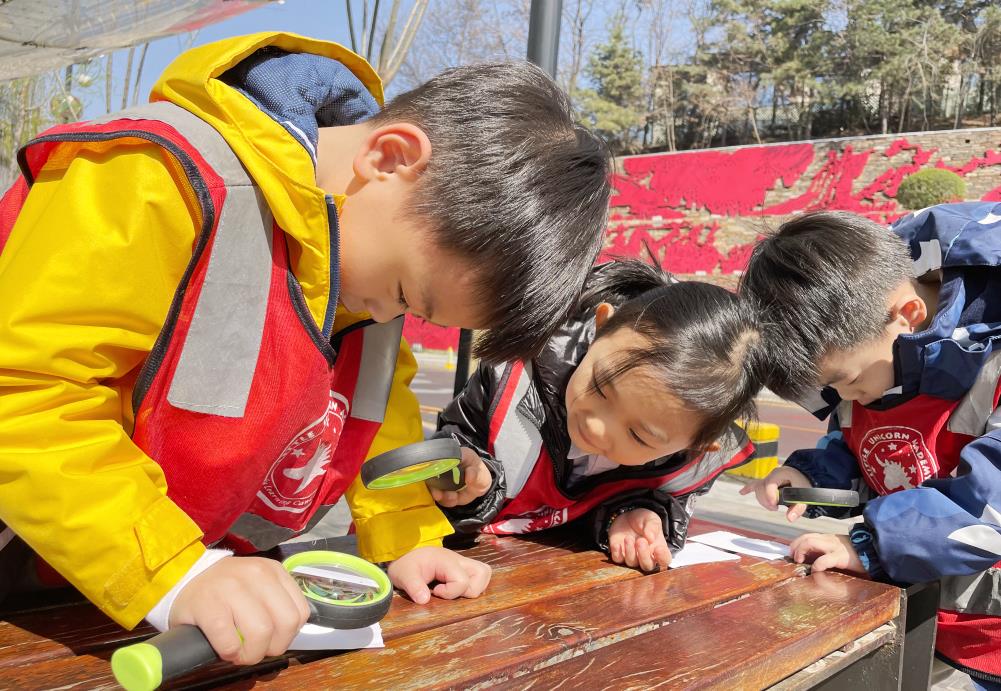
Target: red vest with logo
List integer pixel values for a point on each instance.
(239, 402)
(536, 501)
(920, 439)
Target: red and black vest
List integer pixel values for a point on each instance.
(535, 501)
(920, 439)
(239, 402)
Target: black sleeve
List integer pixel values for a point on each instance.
(675, 514)
(467, 418)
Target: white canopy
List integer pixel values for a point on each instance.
(41, 35)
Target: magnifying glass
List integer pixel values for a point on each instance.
(435, 462)
(818, 496)
(343, 592)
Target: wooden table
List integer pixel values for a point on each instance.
(556, 614)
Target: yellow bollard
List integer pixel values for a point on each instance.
(765, 436)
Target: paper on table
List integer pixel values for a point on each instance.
(694, 553)
(313, 637)
(732, 542)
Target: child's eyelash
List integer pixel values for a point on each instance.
(595, 386)
(402, 299)
(637, 438)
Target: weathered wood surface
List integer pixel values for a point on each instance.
(552, 604)
(27, 649)
(32, 635)
(543, 631)
(756, 641)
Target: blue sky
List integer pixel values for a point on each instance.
(325, 19)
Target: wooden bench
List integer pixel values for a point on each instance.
(556, 614)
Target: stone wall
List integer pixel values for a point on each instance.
(698, 213)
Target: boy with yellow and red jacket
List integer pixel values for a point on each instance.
(200, 316)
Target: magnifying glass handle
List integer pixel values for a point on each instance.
(449, 481)
(144, 666)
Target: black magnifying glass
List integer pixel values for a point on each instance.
(343, 592)
(435, 462)
(818, 496)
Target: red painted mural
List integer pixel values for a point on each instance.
(700, 212)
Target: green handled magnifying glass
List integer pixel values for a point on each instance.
(818, 496)
(343, 592)
(435, 462)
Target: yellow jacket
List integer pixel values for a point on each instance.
(86, 280)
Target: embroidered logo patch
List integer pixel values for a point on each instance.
(895, 458)
(296, 476)
(546, 517)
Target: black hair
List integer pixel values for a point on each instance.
(702, 344)
(618, 281)
(820, 284)
(516, 188)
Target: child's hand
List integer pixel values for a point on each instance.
(457, 576)
(475, 474)
(767, 490)
(250, 597)
(636, 538)
(826, 552)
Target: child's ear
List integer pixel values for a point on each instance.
(911, 310)
(398, 148)
(601, 313)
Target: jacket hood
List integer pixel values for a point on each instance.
(267, 94)
(959, 244)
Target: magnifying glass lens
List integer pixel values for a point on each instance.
(332, 583)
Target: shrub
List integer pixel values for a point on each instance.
(929, 187)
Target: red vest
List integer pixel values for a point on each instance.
(920, 439)
(239, 402)
(535, 500)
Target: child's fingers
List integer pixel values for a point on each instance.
(254, 623)
(662, 554)
(452, 579)
(445, 498)
(298, 599)
(479, 576)
(749, 487)
(644, 554)
(615, 548)
(285, 622)
(661, 551)
(804, 546)
(414, 585)
(768, 494)
(653, 528)
(629, 549)
(825, 562)
(221, 631)
(795, 511)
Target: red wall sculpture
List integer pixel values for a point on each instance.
(700, 212)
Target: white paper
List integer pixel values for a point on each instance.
(694, 553)
(731, 542)
(313, 637)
